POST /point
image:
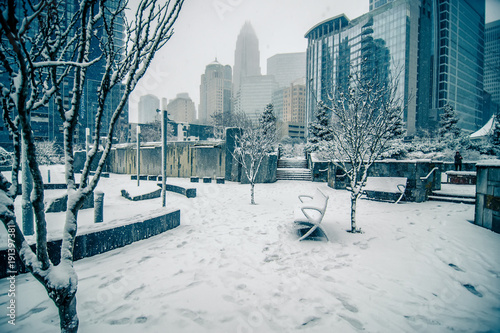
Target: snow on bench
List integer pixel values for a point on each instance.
(310, 212)
(385, 188)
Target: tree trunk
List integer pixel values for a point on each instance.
(354, 199)
(68, 316)
(27, 187)
(252, 191)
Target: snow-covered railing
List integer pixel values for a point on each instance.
(429, 174)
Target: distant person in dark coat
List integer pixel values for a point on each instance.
(458, 161)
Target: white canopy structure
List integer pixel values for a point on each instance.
(485, 131)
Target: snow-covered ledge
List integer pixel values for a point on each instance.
(487, 213)
(101, 240)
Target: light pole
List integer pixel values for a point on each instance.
(164, 124)
(87, 139)
(138, 153)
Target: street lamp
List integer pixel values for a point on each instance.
(138, 153)
(164, 124)
(87, 139)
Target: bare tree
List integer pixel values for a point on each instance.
(221, 120)
(255, 143)
(366, 116)
(40, 50)
(152, 132)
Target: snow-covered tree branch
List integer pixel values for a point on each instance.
(365, 116)
(254, 143)
(41, 50)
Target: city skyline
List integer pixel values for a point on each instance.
(209, 29)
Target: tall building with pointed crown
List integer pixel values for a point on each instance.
(246, 56)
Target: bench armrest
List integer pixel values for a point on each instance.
(313, 219)
(304, 196)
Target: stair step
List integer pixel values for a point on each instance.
(293, 169)
(289, 177)
(453, 195)
(290, 163)
(294, 173)
(457, 199)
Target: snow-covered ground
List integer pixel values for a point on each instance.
(235, 267)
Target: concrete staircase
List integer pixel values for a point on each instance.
(448, 197)
(293, 169)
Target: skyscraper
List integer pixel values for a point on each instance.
(374, 4)
(181, 109)
(492, 61)
(246, 56)
(46, 121)
(254, 94)
(458, 59)
(339, 46)
(435, 47)
(215, 91)
(293, 114)
(148, 104)
(287, 67)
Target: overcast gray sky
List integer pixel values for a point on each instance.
(208, 28)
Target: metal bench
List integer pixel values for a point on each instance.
(385, 188)
(310, 213)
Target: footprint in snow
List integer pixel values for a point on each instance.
(349, 306)
(473, 290)
(455, 267)
(143, 259)
(354, 322)
(362, 246)
(133, 292)
(122, 321)
(116, 279)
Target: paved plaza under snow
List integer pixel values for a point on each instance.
(236, 267)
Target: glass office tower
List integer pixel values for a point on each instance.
(385, 39)
(459, 59)
(434, 47)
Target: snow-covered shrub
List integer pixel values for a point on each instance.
(396, 150)
(48, 152)
(5, 157)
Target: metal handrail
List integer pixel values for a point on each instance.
(430, 173)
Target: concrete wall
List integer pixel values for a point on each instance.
(101, 241)
(487, 211)
(416, 189)
(267, 170)
(184, 159)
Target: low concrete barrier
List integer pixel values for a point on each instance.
(100, 241)
(188, 192)
(147, 196)
(58, 205)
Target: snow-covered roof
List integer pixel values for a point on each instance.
(485, 130)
